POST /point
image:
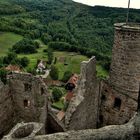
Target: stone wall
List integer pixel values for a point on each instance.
(93, 105)
(24, 131)
(53, 125)
(82, 112)
(120, 92)
(125, 66)
(112, 112)
(29, 97)
(24, 98)
(6, 109)
(128, 131)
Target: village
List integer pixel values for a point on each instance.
(60, 92)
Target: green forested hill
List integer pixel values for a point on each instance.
(90, 29)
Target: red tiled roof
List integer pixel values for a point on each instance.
(13, 68)
(69, 96)
(73, 79)
(60, 115)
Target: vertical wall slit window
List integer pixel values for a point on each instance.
(42, 91)
(117, 103)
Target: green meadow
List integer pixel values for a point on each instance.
(65, 60)
(7, 40)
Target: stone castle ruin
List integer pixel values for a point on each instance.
(120, 93)
(113, 101)
(99, 110)
(22, 99)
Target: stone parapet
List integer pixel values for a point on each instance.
(24, 131)
(128, 131)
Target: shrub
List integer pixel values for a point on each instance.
(11, 57)
(3, 74)
(26, 46)
(66, 76)
(46, 38)
(24, 61)
(54, 73)
(50, 56)
(32, 71)
(56, 94)
(55, 60)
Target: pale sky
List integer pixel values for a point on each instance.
(111, 3)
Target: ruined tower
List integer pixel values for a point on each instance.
(120, 93)
(125, 67)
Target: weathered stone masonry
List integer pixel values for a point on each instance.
(95, 103)
(120, 92)
(113, 101)
(125, 66)
(22, 99)
(29, 97)
(83, 110)
(6, 109)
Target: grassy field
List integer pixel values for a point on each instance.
(101, 72)
(34, 57)
(7, 40)
(69, 61)
(58, 105)
(65, 60)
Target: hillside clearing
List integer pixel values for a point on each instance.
(7, 40)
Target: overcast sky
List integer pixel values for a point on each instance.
(111, 3)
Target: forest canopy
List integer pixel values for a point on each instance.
(64, 25)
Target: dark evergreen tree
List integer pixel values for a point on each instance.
(24, 61)
(50, 56)
(56, 94)
(54, 73)
(3, 74)
(66, 76)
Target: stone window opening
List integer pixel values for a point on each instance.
(101, 118)
(26, 103)
(106, 90)
(117, 103)
(27, 87)
(42, 91)
(103, 98)
(138, 108)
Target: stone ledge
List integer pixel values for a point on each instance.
(24, 131)
(128, 27)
